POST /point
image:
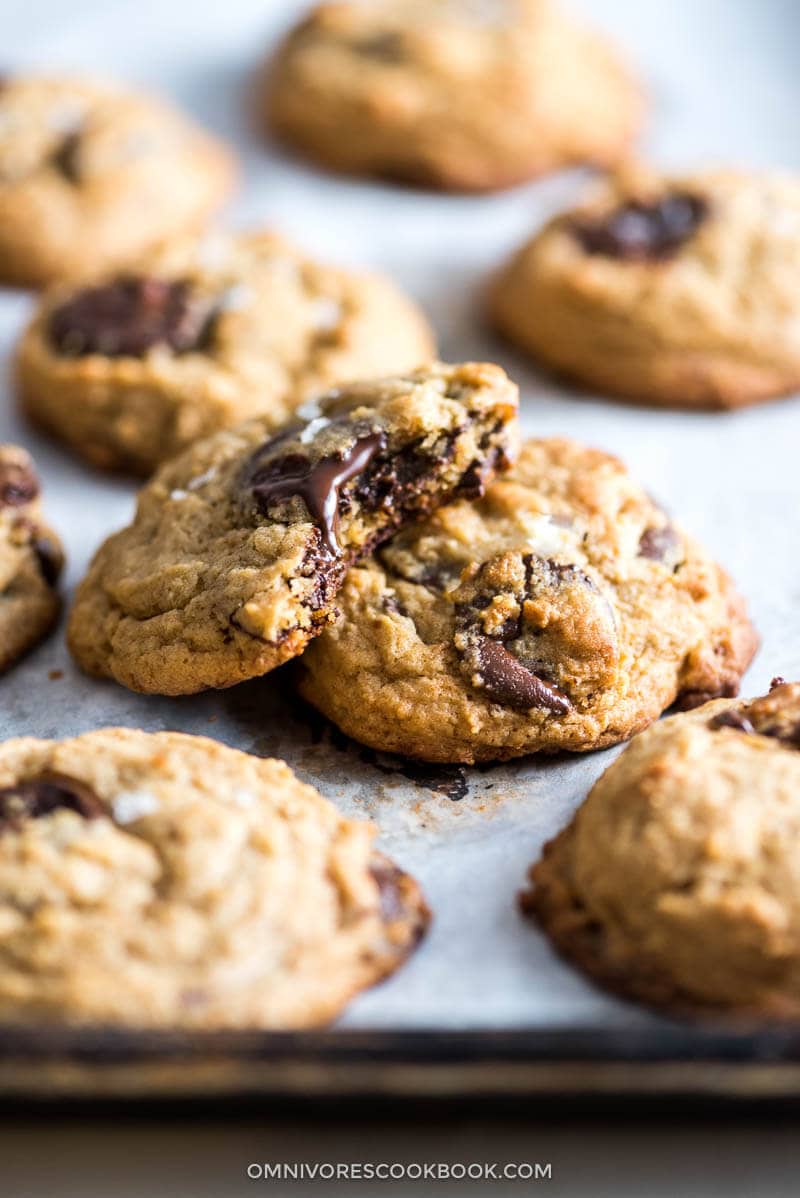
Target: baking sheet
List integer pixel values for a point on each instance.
(722, 77)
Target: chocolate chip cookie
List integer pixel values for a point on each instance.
(133, 367)
(239, 546)
(676, 291)
(468, 95)
(157, 880)
(30, 559)
(562, 611)
(677, 881)
(91, 177)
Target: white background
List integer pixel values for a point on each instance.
(722, 77)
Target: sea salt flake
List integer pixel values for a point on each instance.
(311, 430)
(131, 805)
(244, 798)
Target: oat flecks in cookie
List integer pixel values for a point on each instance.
(31, 559)
(138, 890)
(677, 883)
(562, 611)
(132, 368)
(436, 93)
(91, 178)
(239, 547)
(665, 290)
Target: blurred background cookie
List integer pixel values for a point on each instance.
(669, 290)
(131, 368)
(469, 95)
(91, 176)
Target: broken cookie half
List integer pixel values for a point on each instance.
(239, 546)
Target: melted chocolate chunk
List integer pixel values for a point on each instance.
(511, 683)
(67, 157)
(642, 232)
(391, 478)
(317, 483)
(776, 682)
(41, 796)
(732, 719)
(658, 544)
(18, 484)
(128, 317)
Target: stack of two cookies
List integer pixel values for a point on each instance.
(166, 879)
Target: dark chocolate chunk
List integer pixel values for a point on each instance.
(776, 682)
(642, 232)
(386, 47)
(391, 604)
(18, 483)
(788, 732)
(41, 796)
(732, 719)
(510, 683)
(658, 544)
(67, 157)
(318, 484)
(128, 317)
(688, 700)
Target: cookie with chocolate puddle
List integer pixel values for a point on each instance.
(561, 611)
(238, 547)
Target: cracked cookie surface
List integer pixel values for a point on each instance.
(562, 611)
(130, 369)
(31, 559)
(91, 177)
(164, 880)
(462, 94)
(239, 546)
(677, 883)
(675, 291)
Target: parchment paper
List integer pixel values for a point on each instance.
(723, 82)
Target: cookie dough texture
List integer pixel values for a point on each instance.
(712, 321)
(562, 611)
(270, 329)
(239, 546)
(678, 881)
(151, 880)
(462, 95)
(31, 559)
(90, 177)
